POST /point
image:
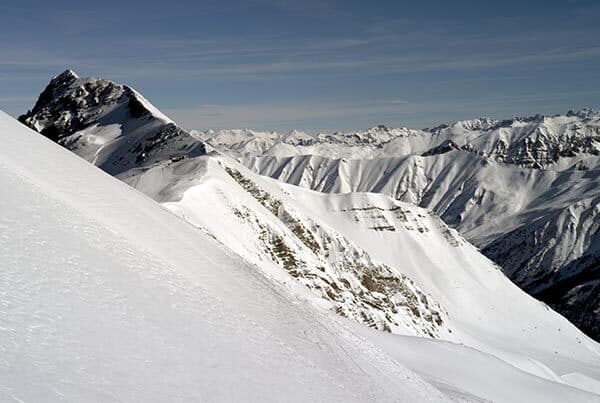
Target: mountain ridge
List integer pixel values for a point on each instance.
(123, 129)
(520, 179)
(535, 145)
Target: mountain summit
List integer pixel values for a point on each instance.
(109, 124)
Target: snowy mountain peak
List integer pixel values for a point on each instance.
(482, 123)
(68, 74)
(586, 113)
(113, 125)
(558, 142)
(69, 103)
(140, 106)
(297, 137)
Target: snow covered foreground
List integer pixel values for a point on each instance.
(106, 296)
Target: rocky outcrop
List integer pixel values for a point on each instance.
(112, 125)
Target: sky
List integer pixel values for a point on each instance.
(312, 65)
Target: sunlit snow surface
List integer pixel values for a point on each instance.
(524, 190)
(105, 296)
(511, 336)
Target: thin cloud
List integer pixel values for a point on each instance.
(363, 54)
(14, 100)
(394, 112)
(279, 115)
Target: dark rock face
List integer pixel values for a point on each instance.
(535, 142)
(114, 115)
(135, 107)
(542, 146)
(69, 104)
(59, 82)
(442, 148)
(578, 297)
(540, 149)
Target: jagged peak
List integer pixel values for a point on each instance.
(481, 123)
(296, 136)
(377, 128)
(70, 103)
(67, 75)
(584, 113)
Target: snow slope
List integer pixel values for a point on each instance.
(106, 296)
(525, 191)
(384, 263)
(479, 376)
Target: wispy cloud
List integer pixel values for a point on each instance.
(367, 52)
(334, 66)
(278, 115)
(333, 116)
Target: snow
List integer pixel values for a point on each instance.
(540, 225)
(195, 186)
(582, 381)
(111, 125)
(106, 296)
(468, 374)
(479, 306)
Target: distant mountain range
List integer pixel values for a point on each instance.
(525, 190)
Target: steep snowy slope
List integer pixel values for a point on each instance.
(385, 263)
(275, 226)
(483, 178)
(267, 227)
(390, 266)
(481, 377)
(108, 297)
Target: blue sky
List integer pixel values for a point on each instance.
(323, 65)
